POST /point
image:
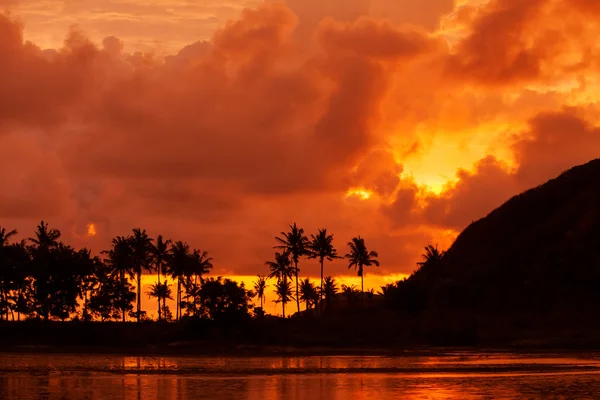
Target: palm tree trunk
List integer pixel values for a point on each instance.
(261, 303)
(158, 280)
(85, 302)
(283, 309)
(196, 292)
(165, 298)
(139, 294)
(178, 298)
(122, 273)
(297, 297)
(19, 305)
(321, 291)
(362, 290)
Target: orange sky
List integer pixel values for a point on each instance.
(221, 122)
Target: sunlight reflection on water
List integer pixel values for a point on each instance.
(461, 376)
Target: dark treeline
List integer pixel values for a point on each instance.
(44, 278)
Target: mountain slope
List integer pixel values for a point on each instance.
(536, 254)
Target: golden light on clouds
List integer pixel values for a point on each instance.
(360, 193)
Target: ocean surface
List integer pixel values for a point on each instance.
(464, 376)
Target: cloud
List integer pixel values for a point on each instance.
(276, 114)
(556, 142)
(425, 14)
(31, 183)
(474, 195)
(515, 42)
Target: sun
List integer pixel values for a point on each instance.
(91, 230)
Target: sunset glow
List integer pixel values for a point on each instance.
(220, 123)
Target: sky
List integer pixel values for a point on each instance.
(221, 122)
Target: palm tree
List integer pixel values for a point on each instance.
(321, 247)
(141, 246)
(44, 241)
(359, 257)
(86, 269)
(5, 236)
(308, 292)
(259, 289)
(160, 291)
(283, 290)
(121, 262)
(280, 268)
(177, 266)
(5, 274)
(432, 256)
(45, 238)
(351, 294)
(6, 271)
(199, 265)
(295, 244)
(160, 252)
(17, 257)
(330, 289)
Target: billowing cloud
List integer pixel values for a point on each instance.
(259, 118)
(556, 142)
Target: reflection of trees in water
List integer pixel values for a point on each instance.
(55, 377)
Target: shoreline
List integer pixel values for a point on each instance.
(287, 351)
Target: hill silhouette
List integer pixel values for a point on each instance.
(533, 264)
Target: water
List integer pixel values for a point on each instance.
(465, 376)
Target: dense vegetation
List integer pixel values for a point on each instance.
(44, 278)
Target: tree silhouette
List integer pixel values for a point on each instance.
(281, 267)
(122, 263)
(50, 279)
(225, 299)
(112, 294)
(432, 257)
(199, 264)
(15, 279)
(5, 236)
(177, 266)
(160, 253)
(359, 258)
(68, 269)
(141, 246)
(160, 291)
(45, 238)
(283, 290)
(86, 268)
(294, 243)
(351, 294)
(259, 289)
(6, 271)
(308, 292)
(330, 289)
(321, 247)
(43, 261)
